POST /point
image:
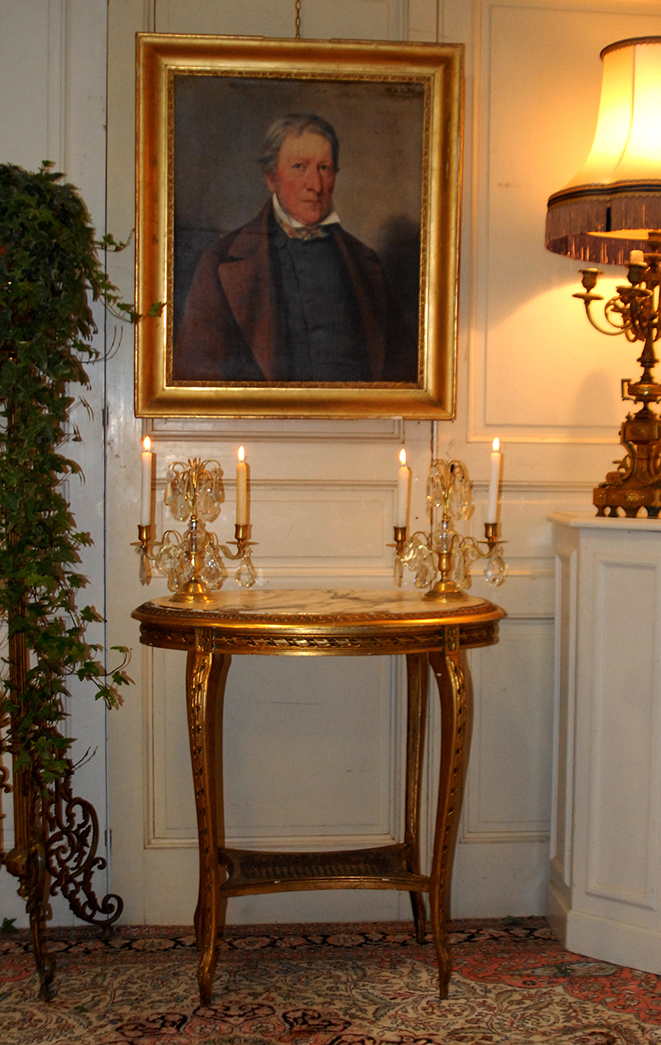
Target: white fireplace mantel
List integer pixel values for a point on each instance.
(604, 892)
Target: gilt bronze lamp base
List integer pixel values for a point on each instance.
(637, 482)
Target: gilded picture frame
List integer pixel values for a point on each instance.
(204, 104)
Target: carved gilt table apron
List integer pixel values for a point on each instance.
(326, 623)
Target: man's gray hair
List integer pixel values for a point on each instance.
(295, 123)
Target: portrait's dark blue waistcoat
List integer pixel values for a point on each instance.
(324, 338)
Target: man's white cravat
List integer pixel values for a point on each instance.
(296, 229)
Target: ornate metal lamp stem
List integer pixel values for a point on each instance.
(634, 311)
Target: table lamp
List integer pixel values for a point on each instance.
(610, 214)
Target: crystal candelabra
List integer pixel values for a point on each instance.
(442, 558)
(635, 312)
(193, 561)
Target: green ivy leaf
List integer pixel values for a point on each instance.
(49, 273)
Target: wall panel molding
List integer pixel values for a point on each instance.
(58, 81)
(179, 430)
(366, 794)
(523, 315)
(510, 769)
(564, 712)
(625, 732)
(502, 837)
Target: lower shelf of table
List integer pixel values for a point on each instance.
(254, 871)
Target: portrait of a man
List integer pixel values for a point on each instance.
(297, 224)
(296, 233)
(291, 295)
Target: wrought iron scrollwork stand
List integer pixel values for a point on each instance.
(71, 846)
(56, 837)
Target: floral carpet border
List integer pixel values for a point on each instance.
(61, 940)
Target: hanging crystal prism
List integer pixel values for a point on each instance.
(246, 575)
(495, 570)
(142, 569)
(397, 571)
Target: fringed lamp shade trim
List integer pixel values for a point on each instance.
(617, 217)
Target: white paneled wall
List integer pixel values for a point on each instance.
(314, 751)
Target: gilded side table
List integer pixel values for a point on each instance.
(327, 623)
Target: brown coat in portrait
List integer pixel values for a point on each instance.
(232, 326)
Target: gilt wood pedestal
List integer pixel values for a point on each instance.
(326, 623)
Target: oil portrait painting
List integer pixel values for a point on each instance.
(302, 255)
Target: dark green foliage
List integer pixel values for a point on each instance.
(49, 269)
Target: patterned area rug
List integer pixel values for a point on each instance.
(325, 985)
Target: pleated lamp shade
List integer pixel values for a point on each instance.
(609, 205)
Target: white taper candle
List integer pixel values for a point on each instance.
(241, 490)
(145, 500)
(494, 482)
(403, 490)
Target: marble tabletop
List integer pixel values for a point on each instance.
(320, 603)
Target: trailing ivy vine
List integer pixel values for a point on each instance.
(49, 271)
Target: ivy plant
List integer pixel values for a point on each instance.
(50, 270)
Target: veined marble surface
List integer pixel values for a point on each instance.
(329, 603)
(588, 520)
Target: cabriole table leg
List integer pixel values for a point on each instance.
(417, 671)
(205, 684)
(456, 698)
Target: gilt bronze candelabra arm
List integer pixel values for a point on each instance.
(441, 558)
(193, 562)
(635, 312)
